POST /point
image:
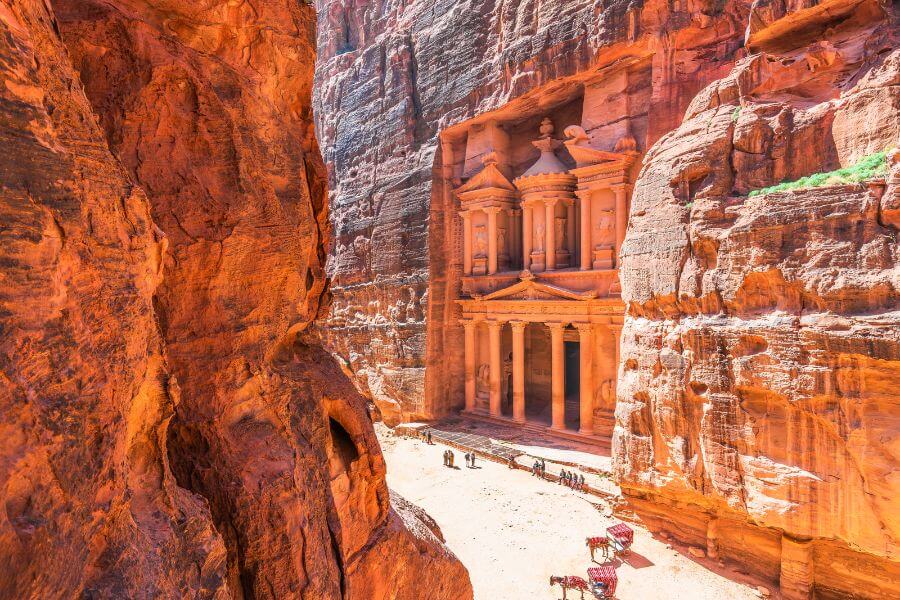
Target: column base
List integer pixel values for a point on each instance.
(586, 431)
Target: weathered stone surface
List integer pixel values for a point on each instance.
(89, 505)
(761, 342)
(391, 77)
(169, 428)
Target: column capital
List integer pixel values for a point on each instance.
(584, 194)
(621, 187)
(466, 213)
(495, 324)
(518, 325)
(556, 326)
(468, 323)
(492, 210)
(584, 327)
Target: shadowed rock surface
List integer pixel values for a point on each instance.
(169, 430)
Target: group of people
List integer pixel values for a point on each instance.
(450, 457)
(572, 480)
(566, 478)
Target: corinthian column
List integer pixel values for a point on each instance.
(570, 232)
(492, 239)
(586, 383)
(518, 344)
(550, 233)
(527, 234)
(494, 328)
(469, 326)
(585, 197)
(467, 242)
(557, 376)
(621, 219)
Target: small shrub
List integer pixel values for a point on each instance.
(869, 167)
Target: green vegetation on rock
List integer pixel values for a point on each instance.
(869, 167)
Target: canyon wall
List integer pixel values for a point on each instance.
(392, 77)
(170, 428)
(757, 406)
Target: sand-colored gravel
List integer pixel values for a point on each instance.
(513, 531)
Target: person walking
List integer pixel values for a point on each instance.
(472, 459)
(581, 483)
(543, 469)
(452, 457)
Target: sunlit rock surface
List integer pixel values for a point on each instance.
(168, 428)
(761, 348)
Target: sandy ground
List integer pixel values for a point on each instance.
(513, 531)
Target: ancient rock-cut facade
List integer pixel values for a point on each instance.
(539, 300)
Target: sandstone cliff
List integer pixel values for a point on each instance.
(762, 342)
(168, 427)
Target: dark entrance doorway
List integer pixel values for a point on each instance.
(573, 380)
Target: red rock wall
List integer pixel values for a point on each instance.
(173, 430)
(761, 349)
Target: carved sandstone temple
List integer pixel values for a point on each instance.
(540, 296)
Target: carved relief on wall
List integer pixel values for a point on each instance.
(560, 232)
(606, 393)
(481, 241)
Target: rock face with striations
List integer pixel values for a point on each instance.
(169, 428)
(757, 411)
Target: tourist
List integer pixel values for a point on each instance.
(543, 468)
(452, 457)
(581, 484)
(511, 463)
(473, 460)
(428, 437)
(468, 459)
(562, 477)
(446, 459)
(534, 468)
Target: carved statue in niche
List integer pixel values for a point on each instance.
(501, 240)
(539, 242)
(560, 225)
(481, 244)
(605, 222)
(484, 375)
(607, 392)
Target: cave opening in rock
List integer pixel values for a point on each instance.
(342, 445)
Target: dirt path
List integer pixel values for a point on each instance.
(514, 531)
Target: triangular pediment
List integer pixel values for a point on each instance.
(530, 289)
(488, 178)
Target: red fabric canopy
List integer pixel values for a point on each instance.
(605, 574)
(621, 532)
